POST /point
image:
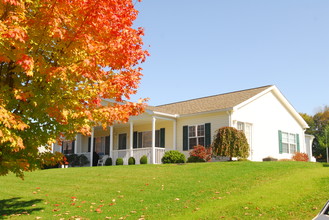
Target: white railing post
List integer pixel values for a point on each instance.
(131, 138)
(153, 140)
(111, 142)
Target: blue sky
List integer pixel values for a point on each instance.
(209, 47)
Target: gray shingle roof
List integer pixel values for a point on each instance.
(209, 103)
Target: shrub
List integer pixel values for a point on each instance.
(230, 142)
(131, 161)
(143, 160)
(200, 154)
(108, 161)
(173, 156)
(119, 161)
(270, 159)
(194, 159)
(300, 157)
(72, 159)
(77, 160)
(82, 160)
(243, 159)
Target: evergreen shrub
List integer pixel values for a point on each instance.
(143, 160)
(108, 162)
(131, 161)
(173, 156)
(119, 161)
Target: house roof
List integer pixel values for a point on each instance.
(209, 103)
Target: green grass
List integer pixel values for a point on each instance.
(229, 190)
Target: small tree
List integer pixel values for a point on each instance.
(200, 154)
(230, 142)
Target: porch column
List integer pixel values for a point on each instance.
(153, 140)
(174, 135)
(131, 136)
(111, 142)
(77, 143)
(92, 146)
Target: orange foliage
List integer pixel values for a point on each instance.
(300, 157)
(58, 61)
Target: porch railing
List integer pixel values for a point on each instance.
(138, 153)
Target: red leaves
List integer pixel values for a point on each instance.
(201, 152)
(300, 157)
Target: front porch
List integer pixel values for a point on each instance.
(146, 134)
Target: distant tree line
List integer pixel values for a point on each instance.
(319, 127)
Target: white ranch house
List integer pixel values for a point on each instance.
(271, 124)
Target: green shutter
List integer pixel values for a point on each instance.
(162, 137)
(89, 144)
(298, 147)
(140, 139)
(280, 142)
(207, 135)
(73, 146)
(135, 140)
(107, 145)
(185, 137)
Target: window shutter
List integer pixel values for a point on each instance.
(107, 145)
(89, 144)
(94, 144)
(162, 137)
(140, 139)
(135, 139)
(73, 146)
(62, 147)
(185, 137)
(207, 134)
(280, 142)
(298, 147)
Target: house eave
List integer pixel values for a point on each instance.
(207, 112)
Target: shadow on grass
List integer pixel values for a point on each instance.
(16, 207)
(325, 164)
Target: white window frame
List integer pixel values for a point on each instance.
(197, 136)
(289, 143)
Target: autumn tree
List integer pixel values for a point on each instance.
(58, 60)
(230, 142)
(319, 127)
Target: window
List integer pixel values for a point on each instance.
(100, 145)
(122, 141)
(288, 143)
(145, 139)
(68, 147)
(196, 135)
(247, 129)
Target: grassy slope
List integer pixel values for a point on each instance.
(234, 190)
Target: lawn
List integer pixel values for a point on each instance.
(229, 190)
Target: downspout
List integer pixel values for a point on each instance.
(229, 113)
